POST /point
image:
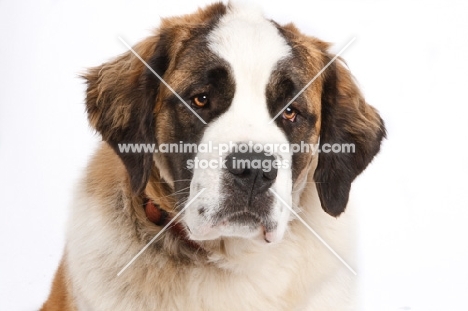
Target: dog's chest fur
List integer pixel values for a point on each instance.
(287, 276)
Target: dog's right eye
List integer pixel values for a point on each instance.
(290, 114)
(200, 100)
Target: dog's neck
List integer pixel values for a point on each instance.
(162, 218)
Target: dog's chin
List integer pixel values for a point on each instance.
(232, 227)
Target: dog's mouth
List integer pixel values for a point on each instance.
(244, 218)
(253, 222)
(243, 224)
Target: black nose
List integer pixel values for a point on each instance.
(253, 172)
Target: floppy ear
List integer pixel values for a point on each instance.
(120, 102)
(346, 119)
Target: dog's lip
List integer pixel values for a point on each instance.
(228, 218)
(270, 236)
(211, 231)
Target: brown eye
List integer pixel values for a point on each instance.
(200, 101)
(290, 114)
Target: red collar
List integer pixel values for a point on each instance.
(161, 218)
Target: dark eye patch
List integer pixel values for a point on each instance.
(218, 77)
(285, 90)
(281, 90)
(298, 121)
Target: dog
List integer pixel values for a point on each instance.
(154, 231)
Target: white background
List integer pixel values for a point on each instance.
(409, 58)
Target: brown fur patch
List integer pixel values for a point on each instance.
(343, 117)
(309, 56)
(60, 298)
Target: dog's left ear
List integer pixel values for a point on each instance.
(120, 102)
(346, 119)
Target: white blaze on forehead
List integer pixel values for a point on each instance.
(252, 46)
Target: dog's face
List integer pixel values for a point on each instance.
(236, 71)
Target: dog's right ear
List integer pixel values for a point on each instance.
(120, 102)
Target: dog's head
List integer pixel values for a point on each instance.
(228, 72)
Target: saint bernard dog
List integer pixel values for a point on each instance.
(227, 237)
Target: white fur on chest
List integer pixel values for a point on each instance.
(297, 274)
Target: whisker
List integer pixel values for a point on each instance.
(165, 182)
(180, 203)
(176, 192)
(173, 194)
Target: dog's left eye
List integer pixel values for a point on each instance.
(290, 114)
(200, 100)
